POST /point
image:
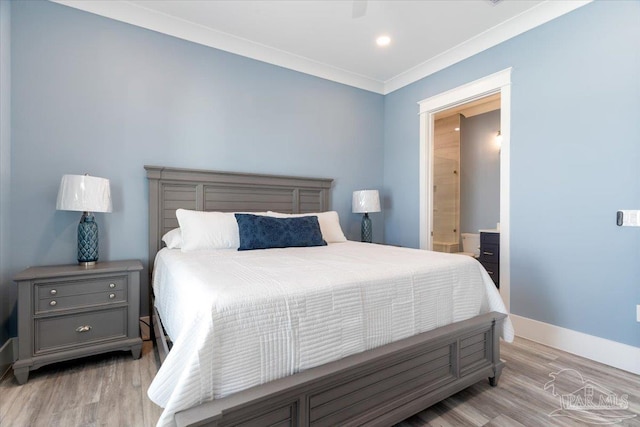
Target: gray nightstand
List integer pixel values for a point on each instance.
(70, 311)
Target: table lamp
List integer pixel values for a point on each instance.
(86, 194)
(365, 201)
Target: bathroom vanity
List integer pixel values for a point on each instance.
(490, 254)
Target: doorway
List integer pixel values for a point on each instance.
(498, 83)
(466, 175)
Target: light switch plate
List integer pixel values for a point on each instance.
(628, 218)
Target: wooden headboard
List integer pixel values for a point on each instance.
(172, 188)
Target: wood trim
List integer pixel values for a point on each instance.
(499, 82)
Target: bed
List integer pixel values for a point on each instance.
(293, 358)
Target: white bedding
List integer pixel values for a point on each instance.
(239, 319)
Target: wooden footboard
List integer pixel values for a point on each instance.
(379, 387)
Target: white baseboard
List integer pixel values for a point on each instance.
(145, 333)
(612, 353)
(8, 353)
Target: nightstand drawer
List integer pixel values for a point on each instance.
(79, 287)
(63, 295)
(55, 333)
(76, 301)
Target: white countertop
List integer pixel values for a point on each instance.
(489, 230)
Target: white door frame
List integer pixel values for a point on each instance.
(499, 82)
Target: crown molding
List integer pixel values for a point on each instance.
(536, 16)
(134, 14)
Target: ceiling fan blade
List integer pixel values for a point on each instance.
(359, 9)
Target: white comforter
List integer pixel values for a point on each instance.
(239, 319)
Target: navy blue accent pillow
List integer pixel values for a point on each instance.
(264, 232)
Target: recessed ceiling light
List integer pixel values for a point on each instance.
(383, 41)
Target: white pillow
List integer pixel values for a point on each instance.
(173, 239)
(329, 224)
(208, 230)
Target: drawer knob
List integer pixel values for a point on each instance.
(112, 285)
(53, 292)
(112, 296)
(487, 253)
(85, 328)
(52, 303)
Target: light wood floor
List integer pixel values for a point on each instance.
(110, 390)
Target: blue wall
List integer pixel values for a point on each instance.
(7, 291)
(575, 156)
(479, 172)
(95, 95)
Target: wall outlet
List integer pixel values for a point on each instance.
(638, 312)
(628, 218)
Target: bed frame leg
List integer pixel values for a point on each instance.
(493, 381)
(497, 371)
(498, 364)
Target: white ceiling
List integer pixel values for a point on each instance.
(324, 39)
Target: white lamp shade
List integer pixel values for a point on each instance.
(365, 201)
(84, 193)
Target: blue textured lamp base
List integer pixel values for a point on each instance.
(87, 239)
(366, 229)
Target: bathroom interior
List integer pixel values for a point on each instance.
(466, 175)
